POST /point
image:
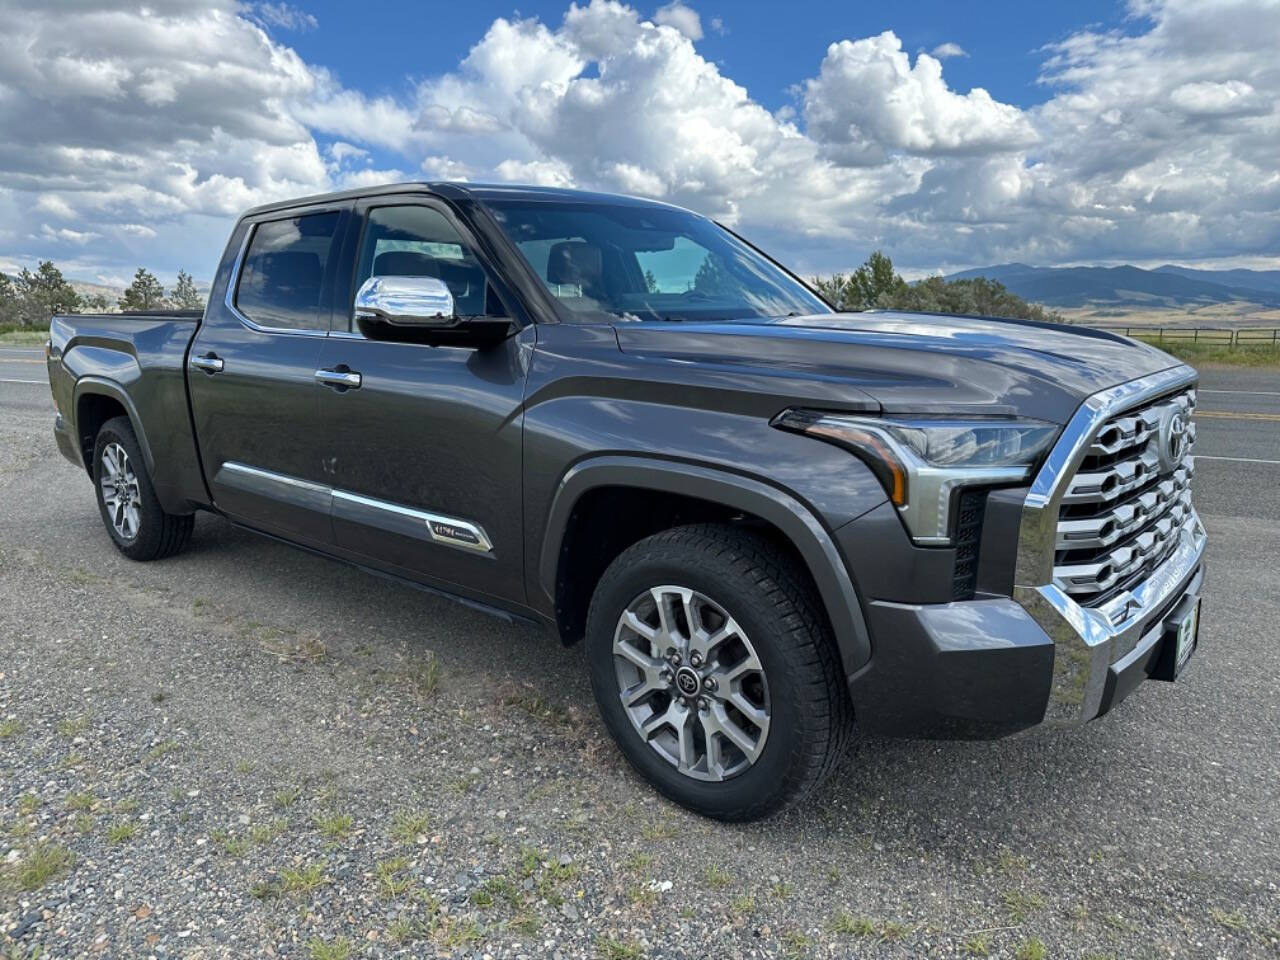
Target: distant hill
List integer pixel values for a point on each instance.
(1164, 287)
(1256, 279)
(88, 288)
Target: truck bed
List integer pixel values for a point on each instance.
(103, 365)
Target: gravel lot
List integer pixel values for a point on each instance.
(250, 751)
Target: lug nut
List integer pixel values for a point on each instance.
(675, 659)
(709, 683)
(695, 659)
(703, 704)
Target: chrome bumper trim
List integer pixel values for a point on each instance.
(1087, 642)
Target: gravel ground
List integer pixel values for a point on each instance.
(250, 751)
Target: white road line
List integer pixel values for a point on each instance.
(1248, 393)
(9, 380)
(1201, 456)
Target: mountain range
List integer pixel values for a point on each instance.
(1127, 286)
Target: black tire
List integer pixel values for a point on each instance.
(158, 534)
(752, 580)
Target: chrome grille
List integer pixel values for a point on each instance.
(1123, 510)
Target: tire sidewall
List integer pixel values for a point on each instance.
(146, 542)
(784, 750)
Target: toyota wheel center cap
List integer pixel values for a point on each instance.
(687, 681)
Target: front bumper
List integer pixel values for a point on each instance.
(968, 669)
(989, 668)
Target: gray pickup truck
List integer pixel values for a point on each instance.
(617, 418)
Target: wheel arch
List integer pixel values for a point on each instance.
(97, 400)
(734, 494)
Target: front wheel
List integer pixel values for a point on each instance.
(139, 527)
(716, 672)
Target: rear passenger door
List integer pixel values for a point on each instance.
(427, 446)
(252, 370)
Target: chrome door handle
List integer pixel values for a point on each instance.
(342, 379)
(209, 364)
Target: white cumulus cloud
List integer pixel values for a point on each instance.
(159, 123)
(681, 16)
(868, 99)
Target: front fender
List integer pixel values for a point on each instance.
(771, 504)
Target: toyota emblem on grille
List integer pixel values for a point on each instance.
(1173, 438)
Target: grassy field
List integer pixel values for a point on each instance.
(23, 337)
(1217, 354)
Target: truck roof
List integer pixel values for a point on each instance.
(459, 190)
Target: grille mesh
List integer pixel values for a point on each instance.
(964, 581)
(1124, 509)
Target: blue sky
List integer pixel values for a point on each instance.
(949, 135)
(763, 48)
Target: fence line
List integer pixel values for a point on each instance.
(1222, 336)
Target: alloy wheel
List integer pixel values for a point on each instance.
(691, 682)
(120, 491)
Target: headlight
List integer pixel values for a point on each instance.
(921, 462)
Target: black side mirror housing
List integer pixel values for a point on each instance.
(476, 333)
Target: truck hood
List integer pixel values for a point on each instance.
(906, 363)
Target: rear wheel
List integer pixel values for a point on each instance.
(137, 524)
(715, 671)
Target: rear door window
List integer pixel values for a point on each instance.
(282, 279)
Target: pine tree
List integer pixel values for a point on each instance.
(184, 295)
(145, 293)
(9, 300)
(38, 296)
(712, 277)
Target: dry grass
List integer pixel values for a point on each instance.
(1238, 313)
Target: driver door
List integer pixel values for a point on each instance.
(427, 440)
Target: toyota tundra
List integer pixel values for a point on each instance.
(766, 519)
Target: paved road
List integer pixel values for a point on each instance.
(231, 705)
(23, 383)
(1238, 443)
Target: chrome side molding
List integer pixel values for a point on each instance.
(356, 508)
(422, 524)
(275, 486)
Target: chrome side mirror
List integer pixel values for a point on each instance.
(406, 301)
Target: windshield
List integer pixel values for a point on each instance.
(618, 261)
